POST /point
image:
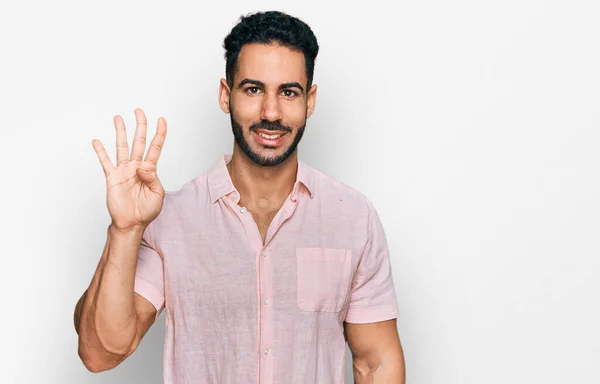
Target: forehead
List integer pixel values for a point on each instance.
(272, 64)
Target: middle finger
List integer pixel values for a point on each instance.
(139, 140)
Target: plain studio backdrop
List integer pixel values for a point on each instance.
(473, 127)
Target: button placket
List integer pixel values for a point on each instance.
(284, 214)
(263, 290)
(266, 313)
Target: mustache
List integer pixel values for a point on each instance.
(271, 126)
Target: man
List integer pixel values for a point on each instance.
(264, 266)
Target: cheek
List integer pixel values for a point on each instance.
(294, 115)
(246, 112)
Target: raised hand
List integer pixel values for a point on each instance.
(134, 193)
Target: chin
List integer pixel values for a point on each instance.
(270, 155)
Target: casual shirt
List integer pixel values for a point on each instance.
(240, 311)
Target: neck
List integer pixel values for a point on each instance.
(262, 186)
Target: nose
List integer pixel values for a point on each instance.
(271, 110)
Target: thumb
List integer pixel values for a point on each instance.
(147, 173)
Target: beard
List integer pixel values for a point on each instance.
(238, 134)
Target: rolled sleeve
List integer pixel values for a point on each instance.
(149, 275)
(373, 297)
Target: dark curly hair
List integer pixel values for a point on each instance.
(266, 28)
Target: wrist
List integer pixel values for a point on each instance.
(135, 231)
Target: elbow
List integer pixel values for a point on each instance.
(96, 360)
(379, 370)
(95, 368)
(95, 352)
(93, 364)
(364, 369)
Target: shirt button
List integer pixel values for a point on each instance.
(293, 198)
(243, 210)
(266, 351)
(266, 300)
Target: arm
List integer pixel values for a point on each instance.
(110, 318)
(370, 323)
(377, 356)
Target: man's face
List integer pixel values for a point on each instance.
(268, 102)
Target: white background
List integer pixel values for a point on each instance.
(473, 126)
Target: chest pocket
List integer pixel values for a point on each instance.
(323, 278)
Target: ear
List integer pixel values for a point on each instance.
(224, 93)
(311, 100)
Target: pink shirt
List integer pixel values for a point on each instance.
(238, 311)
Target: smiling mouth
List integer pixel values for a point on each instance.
(270, 138)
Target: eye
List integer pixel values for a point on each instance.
(289, 93)
(253, 90)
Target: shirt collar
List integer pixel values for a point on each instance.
(220, 183)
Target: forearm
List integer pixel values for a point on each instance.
(105, 317)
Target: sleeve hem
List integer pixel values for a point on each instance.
(373, 317)
(150, 293)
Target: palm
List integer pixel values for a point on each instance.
(131, 197)
(134, 193)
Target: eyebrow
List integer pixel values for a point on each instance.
(293, 84)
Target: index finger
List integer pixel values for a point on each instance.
(157, 142)
(122, 146)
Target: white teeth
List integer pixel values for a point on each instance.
(270, 137)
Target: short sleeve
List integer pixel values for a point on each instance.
(373, 297)
(149, 275)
